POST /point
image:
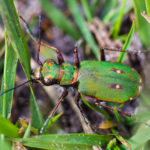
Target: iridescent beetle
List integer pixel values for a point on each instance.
(101, 80)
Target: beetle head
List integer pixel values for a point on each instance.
(49, 72)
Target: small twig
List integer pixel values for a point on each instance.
(86, 127)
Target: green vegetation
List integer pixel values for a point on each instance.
(78, 26)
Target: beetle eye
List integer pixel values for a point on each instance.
(49, 81)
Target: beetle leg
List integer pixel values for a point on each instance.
(79, 102)
(40, 42)
(63, 95)
(112, 109)
(59, 55)
(77, 62)
(135, 51)
(102, 54)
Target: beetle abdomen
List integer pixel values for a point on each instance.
(108, 81)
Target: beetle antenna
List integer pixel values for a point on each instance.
(29, 31)
(31, 80)
(39, 40)
(51, 47)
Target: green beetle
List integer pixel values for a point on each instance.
(102, 80)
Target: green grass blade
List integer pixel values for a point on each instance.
(94, 5)
(37, 119)
(118, 117)
(108, 6)
(117, 26)
(112, 145)
(110, 13)
(66, 141)
(73, 6)
(15, 34)
(28, 131)
(94, 107)
(140, 137)
(5, 144)
(148, 6)
(143, 27)
(59, 19)
(120, 138)
(49, 122)
(87, 10)
(53, 120)
(7, 128)
(6, 100)
(142, 117)
(8, 82)
(127, 44)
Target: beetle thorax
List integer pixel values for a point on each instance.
(68, 74)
